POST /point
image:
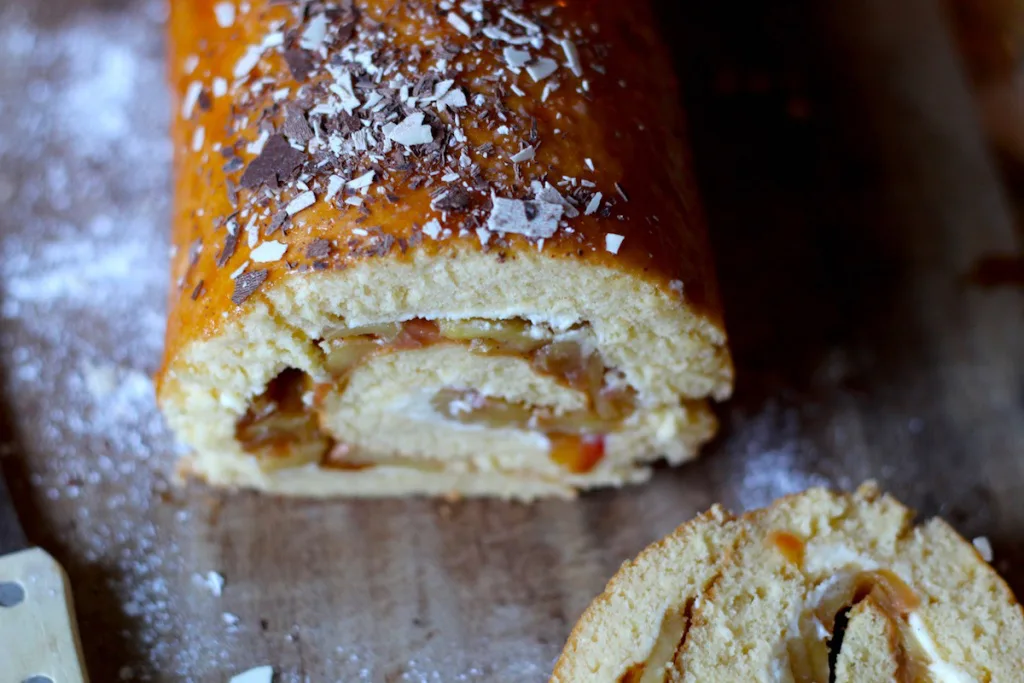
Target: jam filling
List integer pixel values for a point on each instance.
(278, 427)
(791, 547)
(812, 660)
(283, 431)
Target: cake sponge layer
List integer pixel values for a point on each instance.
(820, 586)
(384, 411)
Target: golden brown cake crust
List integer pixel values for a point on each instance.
(618, 113)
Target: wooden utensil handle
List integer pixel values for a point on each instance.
(38, 635)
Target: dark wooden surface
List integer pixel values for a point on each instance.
(849, 193)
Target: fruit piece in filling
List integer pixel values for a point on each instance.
(279, 429)
(495, 336)
(470, 407)
(577, 438)
(809, 654)
(283, 431)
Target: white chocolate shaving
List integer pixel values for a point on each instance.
(268, 252)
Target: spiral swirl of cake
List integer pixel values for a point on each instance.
(820, 587)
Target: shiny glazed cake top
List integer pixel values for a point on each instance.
(310, 136)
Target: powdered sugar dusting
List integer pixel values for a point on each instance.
(770, 457)
(83, 274)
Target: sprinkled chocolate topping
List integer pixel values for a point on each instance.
(296, 127)
(300, 63)
(452, 199)
(318, 249)
(276, 161)
(234, 164)
(246, 284)
(230, 245)
(278, 222)
(336, 111)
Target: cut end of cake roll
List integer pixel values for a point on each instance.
(819, 587)
(539, 378)
(436, 253)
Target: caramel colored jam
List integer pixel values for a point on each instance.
(896, 600)
(577, 453)
(633, 674)
(791, 547)
(809, 656)
(564, 360)
(283, 431)
(892, 594)
(279, 429)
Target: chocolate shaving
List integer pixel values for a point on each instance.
(232, 191)
(345, 31)
(300, 63)
(230, 244)
(277, 160)
(383, 242)
(318, 249)
(194, 250)
(454, 199)
(278, 221)
(198, 291)
(205, 103)
(296, 127)
(348, 123)
(446, 50)
(246, 284)
(425, 86)
(233, 164)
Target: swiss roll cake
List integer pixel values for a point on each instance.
(434, 248)
(821, 587)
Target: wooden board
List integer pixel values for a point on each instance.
(849, 193)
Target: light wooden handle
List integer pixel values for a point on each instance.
(38, 636)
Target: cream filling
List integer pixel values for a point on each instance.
(824, 559)
(943, 671)
(660, 660)
(556, 323)
(845, 563)
(417, 407)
